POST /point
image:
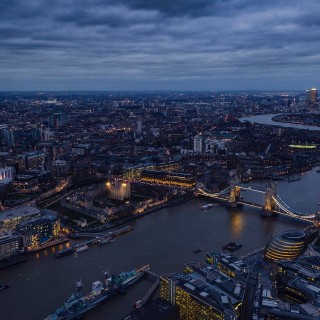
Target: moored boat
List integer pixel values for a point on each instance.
(208, 206)
(81, 248)
(231, 246)
(101, 242)
(78, 304)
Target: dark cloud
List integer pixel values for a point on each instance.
(136, 44)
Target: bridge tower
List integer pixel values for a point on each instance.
(235, 191)
(270, 195)
(316, 221)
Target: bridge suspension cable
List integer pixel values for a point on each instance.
(287, 210)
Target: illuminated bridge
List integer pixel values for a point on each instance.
(273, 204)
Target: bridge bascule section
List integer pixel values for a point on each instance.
(273, 204)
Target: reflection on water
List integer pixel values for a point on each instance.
(237, 222)
(164, 239)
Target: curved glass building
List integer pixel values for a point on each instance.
(288, 245)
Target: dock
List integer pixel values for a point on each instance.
(151, 291)
(97, 238)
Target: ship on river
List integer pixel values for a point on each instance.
(78, 304)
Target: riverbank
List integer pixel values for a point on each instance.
(298, 119)
(12, 261)
(171, 203)
(48, 245)
(266, 119)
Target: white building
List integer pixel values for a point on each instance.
(197, 144)
(7, 173)
(139, 125)
(119, 189)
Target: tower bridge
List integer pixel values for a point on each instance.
(273, 204)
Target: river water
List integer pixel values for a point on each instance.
(267, 119)
(165, 239)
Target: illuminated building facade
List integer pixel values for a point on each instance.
(31, 160)
(135, 172)
(119, 189)
(202, 293)
(7, 173)
(313, 95)
(10, 218)
(228, 264)
(25, 183)
(39, 231)
(184, 180)
(288, 245)
(9, 244)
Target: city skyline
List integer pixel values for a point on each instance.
(152, 45)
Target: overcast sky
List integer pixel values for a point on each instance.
(159, 44)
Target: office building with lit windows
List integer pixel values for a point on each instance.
(288, 245)
(203, 292)
(229, 265)
(9, 244)
(313, 95)
(25, 183)
(9, 219)
(39, 231)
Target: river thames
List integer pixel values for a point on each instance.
(165, 239)
(267, 119)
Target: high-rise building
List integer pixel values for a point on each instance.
(197, 144)
(313, 95)
(139, 125)
(38, 231)
(31, 160)
(202, 292)
(9, 135)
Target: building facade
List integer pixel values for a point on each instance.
(38, 231)
(9, 244)
(119, 189)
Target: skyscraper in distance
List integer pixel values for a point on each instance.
(313, 95)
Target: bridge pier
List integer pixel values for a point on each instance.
(269, 202)
(235, 194)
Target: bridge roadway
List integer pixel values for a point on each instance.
(217, 196)
(147, 296)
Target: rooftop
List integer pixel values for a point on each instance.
(17, 213)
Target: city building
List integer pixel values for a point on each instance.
(39, 231)
(60, 168)
(197, 144)
(10, 218)
(229, 265)
(119, 189)
(9, 244)
(288, 245)
(203, 292)
(139, 125)
(7, 173)
(24, 183)
(313, 95)
(31, 160)
(185, 180)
